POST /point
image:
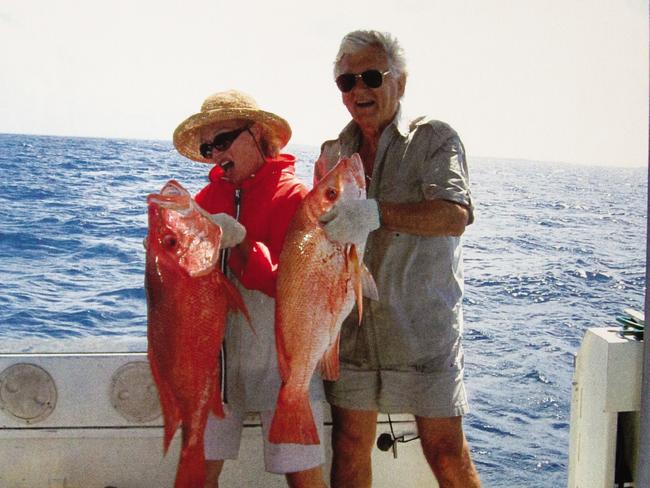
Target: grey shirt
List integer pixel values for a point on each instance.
(417, 322)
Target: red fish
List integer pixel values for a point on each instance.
(318, 281)
(188, 298)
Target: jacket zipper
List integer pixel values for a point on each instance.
(224, 261)
(237, 202)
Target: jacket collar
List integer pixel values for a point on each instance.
(283, 163)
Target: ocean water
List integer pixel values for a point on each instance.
(555, 249)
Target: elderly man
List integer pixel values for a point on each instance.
(407, 355)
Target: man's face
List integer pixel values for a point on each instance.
(372, 108)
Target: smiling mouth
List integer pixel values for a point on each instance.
(227, 165)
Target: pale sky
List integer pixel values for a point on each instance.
(548, 80)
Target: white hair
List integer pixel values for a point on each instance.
(361, 39)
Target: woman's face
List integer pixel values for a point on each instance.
(242, 157)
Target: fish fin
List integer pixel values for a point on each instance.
(216, 403)
(293, 420)
(283, 365)
(236, 302)
(368, 284)
(357, 279)
(171, 412)
(172, 417)
(362, 279)
(329, 363)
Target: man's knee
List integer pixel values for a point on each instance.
(442, 440)
(447, 452)
(351, 442)
(448, 455)
(353, 431)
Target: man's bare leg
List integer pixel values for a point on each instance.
(353, 437)
(447, 452)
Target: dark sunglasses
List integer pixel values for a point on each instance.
(372, 78)
(221, 142)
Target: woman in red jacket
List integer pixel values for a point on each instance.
(254, 186)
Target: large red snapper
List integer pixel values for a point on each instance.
(188, 298)
(318, 281)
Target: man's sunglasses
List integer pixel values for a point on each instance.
(221, 142)
(372, 78)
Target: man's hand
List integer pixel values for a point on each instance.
(350, 221)
(232, 232)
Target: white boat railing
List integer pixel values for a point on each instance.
(643, 463)
(92, 420)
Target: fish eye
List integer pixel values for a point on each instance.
(331, 194)
(169, 241)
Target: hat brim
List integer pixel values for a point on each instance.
(187, 136)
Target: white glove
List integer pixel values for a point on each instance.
(350, 221)
(232, 232)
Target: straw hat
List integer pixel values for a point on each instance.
(223, 106)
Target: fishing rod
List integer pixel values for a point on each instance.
(388, 441)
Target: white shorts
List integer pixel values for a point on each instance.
(223, 438)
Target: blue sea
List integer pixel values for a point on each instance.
(555, 249)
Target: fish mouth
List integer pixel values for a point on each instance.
(358, 172)
(172, 188)
(176, 203)
(172, 196)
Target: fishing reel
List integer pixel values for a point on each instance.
(388, 441)
(633, 324)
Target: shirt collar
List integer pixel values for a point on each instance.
(350, 132)
(401, 123)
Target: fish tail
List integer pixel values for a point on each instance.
(293, 421)
(191, 464)
(191, 467)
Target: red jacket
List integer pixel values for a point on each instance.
(268, 200)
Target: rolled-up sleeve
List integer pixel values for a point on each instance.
(445, 175)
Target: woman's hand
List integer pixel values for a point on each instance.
(232, 232)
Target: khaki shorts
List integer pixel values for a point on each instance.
(425, 394)
(223, 438)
